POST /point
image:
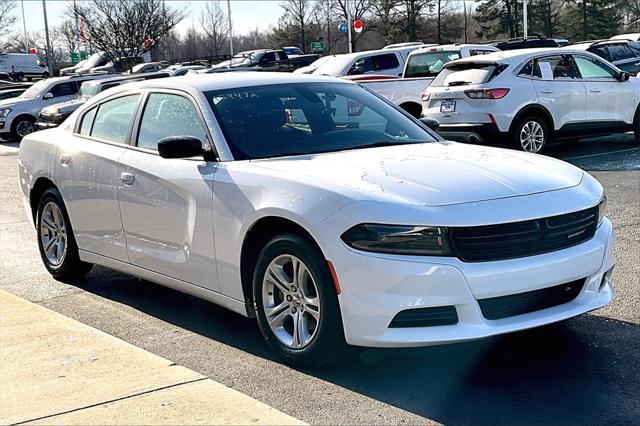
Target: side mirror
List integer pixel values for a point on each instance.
(623, 76)
(48, 95)
(431, 123)
(180, 147)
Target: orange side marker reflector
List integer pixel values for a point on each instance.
(334, 276)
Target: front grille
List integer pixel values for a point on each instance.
(500, 307)
(521, 239)
(425, 317)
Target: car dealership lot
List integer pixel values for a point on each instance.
(584, 369)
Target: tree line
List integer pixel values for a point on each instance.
(121, 26)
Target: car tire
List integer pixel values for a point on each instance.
(56, 242)
(531, 134)
(21, 127)
(20, 76)
(45, 75)
(307, 303)
(636, 127)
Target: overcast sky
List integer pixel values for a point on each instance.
(247, 14)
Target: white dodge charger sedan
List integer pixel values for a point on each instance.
(318, 207)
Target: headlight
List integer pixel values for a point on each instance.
(399, 239)
(602, 209)
(4, 112)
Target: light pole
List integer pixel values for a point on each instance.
(46, 32)
(346, 7)
(230, 28)
(24, 25)
(525, 23)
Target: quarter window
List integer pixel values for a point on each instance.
(168, 115)
(113, 119)
(87, 122)
(385, 62)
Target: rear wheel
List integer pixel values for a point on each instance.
(531, 134)
(636, 127)
(296, 302)
(56, 242)
(45, 74)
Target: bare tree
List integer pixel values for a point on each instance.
(7, 19)
(120, 27)
(65, 35)
(297, 14)
(386, 14)
(216, 26)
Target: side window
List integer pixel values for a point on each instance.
(361, 66)
(385, 62)
(620, 52)
(269, 57)
(592, 69)
(87, 122)
(64, 89)
(113, 119)
(557, 68)
(600, 51)
(476, 52)
(168, 115)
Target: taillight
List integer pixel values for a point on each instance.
(425, 96)
(486, 93)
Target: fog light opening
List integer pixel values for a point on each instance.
(606, 279)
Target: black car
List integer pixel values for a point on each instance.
(531, 42)
(624, 54)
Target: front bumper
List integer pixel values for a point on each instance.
(485, 133)
(377, 287)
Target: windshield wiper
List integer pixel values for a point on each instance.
(382, 143)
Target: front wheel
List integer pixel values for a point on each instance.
(56, 241)
(21, 127)
(296, 302)
(531, 134)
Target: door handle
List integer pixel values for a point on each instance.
(595, 90)
(546, 91)
(127, 178)
(65, 159)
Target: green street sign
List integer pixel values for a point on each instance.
(77, 56)
(317, 46)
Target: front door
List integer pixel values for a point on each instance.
(609, 101)
(166, 204)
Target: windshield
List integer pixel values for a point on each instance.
(307, 118)
(429, 64)
(96, 60)
(465, 74)
(335, 66)
(36, 90)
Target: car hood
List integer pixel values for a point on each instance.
(433, 174)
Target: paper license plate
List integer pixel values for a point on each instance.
(448, 106)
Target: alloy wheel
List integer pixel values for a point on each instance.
(291, 301)
(532, 137)
(24, 128)
(53, 234)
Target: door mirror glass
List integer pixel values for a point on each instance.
(431, 123)
(48, 95)
(180, 147)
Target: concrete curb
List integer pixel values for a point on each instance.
(55, 370)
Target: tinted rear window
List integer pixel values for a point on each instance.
(466, 75)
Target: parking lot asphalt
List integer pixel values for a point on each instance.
(583, 370)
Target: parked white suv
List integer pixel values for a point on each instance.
(18, 115)
(531, 97)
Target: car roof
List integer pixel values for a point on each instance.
(514, 56)
(454, 46)
(206, 82)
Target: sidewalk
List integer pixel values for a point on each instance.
(9, 148)
(55, 370)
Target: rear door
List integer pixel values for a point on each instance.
(89, 162)
(560, 89)
(166, 204)
(388, 63)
